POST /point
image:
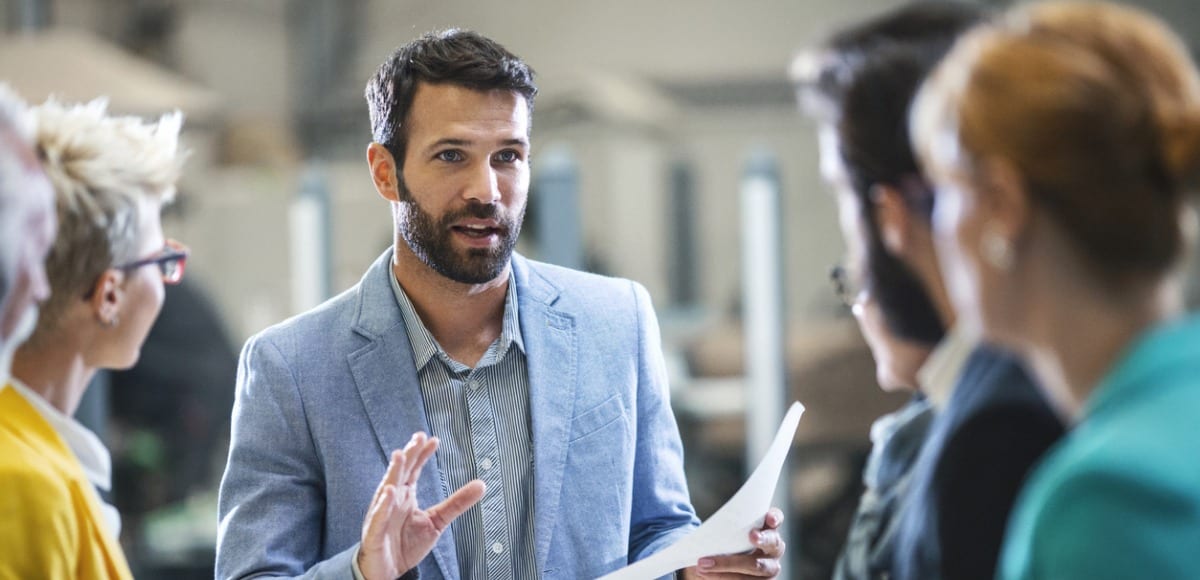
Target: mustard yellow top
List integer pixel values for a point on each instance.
(51, 525)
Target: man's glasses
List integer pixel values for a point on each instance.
(846, 285)
(171, 261)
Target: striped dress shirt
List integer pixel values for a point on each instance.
(481, 417)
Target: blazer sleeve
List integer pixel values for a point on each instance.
(662, 509)
(979, 476)
(272, 499)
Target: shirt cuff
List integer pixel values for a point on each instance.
(358, 575)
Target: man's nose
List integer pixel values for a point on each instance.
(484, 185)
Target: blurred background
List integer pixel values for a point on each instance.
(667, 148)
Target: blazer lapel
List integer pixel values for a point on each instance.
(386, 377)
(551, 344)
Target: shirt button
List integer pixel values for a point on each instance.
(474, 385)
(498, 548)
(486, 464)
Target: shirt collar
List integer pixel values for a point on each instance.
(941, 370)
(425, 346)
(93, 456)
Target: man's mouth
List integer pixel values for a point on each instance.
(477, 231)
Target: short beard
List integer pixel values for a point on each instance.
(430, 239)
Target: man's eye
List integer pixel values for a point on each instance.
(450, 155)
(508, 156)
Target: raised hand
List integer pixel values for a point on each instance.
(397, 534)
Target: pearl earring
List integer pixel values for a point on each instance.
(996, 249)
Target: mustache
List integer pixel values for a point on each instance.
(475, 210)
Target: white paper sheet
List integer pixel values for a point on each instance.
(728, 530)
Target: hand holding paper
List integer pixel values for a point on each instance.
(728, 530)
(763, 562)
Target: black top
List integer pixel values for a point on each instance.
(980, 448)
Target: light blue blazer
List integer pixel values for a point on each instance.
(323, 398)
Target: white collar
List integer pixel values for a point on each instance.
(941, 370)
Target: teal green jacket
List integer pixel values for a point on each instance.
(1120, 495)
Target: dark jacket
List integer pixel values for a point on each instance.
(980, 448)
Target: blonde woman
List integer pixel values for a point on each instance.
(106, 268)
(1063, 141)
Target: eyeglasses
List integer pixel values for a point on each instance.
(847, 286)
(171, 261)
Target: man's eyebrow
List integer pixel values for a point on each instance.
(449, 141)
(455, 142)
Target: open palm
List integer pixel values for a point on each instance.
(397, 533)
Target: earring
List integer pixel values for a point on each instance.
(996, 249)
(109, 322)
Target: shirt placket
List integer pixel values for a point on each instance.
(485, 442)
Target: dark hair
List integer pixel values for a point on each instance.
(453, 56)
(861, 83)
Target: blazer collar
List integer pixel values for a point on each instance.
(552, 358)
(377, 312)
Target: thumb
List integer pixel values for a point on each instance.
(460, 501)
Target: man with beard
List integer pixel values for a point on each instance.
(540, 392)
(938, 495)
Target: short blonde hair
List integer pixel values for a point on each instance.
(101, 167)
(1096, 105)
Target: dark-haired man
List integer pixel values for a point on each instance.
(555, 453)
(956, 477)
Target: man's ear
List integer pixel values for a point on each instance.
(106, 297)
(383, 171)
(893, 218)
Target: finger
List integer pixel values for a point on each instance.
(411, 451)
(416, 439)
(377, 518)
(395, 465)
(755, 565)
(773, 518)
(417, 463)
(460, 501)
(769, 542)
